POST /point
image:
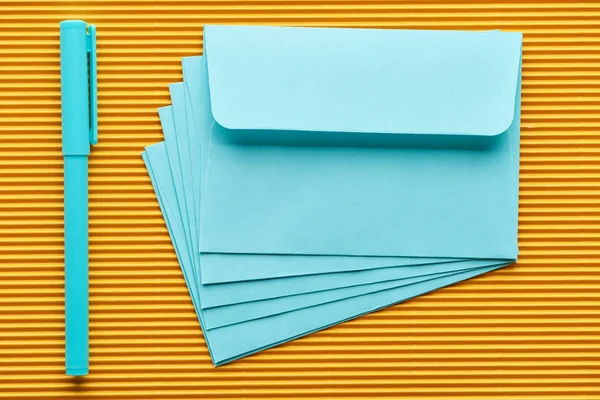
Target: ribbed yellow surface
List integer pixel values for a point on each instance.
(530, 331)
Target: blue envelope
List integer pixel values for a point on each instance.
(258, 319)
(445, 105)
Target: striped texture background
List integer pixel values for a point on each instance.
(531, 331)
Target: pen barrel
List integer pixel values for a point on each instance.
(76, 265)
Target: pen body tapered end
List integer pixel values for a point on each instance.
(77, 371)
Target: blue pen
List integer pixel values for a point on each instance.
(79, 131)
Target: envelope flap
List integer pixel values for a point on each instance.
(363, 80)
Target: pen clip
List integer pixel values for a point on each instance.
(91, 49)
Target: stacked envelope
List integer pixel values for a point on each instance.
(309, 176)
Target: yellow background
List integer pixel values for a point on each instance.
(529, 331)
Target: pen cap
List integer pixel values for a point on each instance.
(75, 88)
